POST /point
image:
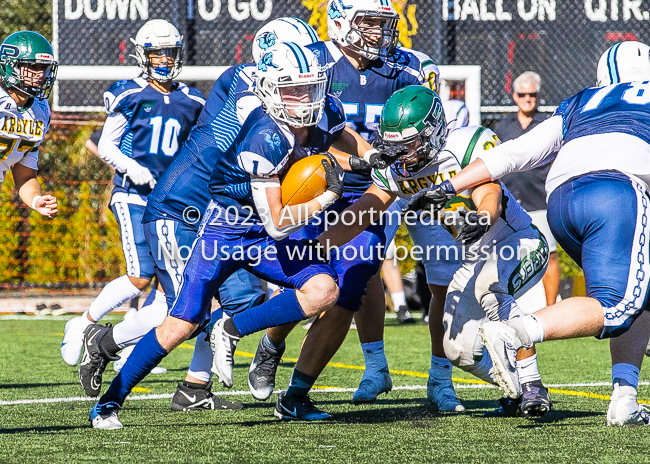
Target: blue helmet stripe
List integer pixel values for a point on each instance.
(300, 57)
(612, 65)
(310, 30)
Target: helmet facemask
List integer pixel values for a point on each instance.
(154, 64)
(413, 154)
(30, 81)
(299, 104)
(159, 50)
(373, 41)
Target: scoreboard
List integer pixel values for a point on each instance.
(559, 39)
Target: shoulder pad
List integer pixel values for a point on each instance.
(468, 142)
(117, 93)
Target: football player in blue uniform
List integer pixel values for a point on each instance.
(174, 207)
(598, 211)
(148, 120)
(246, 225)
(365, 69)
(27, 74)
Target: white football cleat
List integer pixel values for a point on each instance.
(502, 343)
(73, 339)
(624, 409)
(223, 349)
(104, 416)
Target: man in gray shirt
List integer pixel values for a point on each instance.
(528, 187)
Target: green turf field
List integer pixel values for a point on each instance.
(398, 428)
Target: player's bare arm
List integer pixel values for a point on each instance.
(487, 197)
(29, 191)
(374, 200)
(528, 151)
(351, 151)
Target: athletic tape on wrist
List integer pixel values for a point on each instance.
(368, 154)
(34, 200)
(326, 199)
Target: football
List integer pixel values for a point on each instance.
(304, 181)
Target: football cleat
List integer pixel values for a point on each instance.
(624, 409)
(298, 407)
(261, 375)
(223, 349)
(502, 342)
(441, 394)
(94, 360)
(104, 416)
(372, 385)
(508, 407)
(199, 399)
(535, 400)
(73, 339)
(404, 316)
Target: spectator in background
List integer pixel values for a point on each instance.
(528, 187)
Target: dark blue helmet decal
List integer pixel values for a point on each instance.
(8, 51)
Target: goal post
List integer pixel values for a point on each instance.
(470, 75)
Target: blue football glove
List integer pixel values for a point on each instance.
(433, 199)
(475, 226)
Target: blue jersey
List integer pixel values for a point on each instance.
(266, 147)
(155, 125)
(623, 108)
(182, 193)
(364, 93)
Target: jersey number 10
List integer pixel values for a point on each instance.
(164, 136)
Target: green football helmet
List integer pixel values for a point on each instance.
(20, 51)
(412, 114)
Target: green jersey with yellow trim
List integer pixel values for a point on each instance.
(461, 148)
(21, 132)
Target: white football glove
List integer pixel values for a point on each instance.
(139, 174)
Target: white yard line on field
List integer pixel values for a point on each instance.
(315, 390)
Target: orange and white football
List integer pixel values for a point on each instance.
(304, 181)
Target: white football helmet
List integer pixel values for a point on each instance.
(282, 30)
(456, 114)
(291, 84)
(624, 62)
(162, 37)
(344, 26)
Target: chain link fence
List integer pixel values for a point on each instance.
(559, 39)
